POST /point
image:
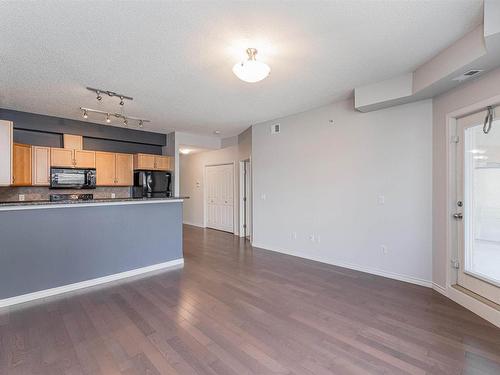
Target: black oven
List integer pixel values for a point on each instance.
(65, 178)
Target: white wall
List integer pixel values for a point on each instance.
(325, 180)
(192, 172)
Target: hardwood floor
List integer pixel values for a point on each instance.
(237, 310)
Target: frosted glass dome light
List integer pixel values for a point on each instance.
(251, 70)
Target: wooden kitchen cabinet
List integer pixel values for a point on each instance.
(124, 170)
(163, 163)
(6, 130)
(73, 142)
(84, 158)
(105, 165)
(61, 157)
(153, 162)
(21, 165)
(67, 158)
(144, 161)
(40, 165)
(114, 169)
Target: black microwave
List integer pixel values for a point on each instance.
(65, 178)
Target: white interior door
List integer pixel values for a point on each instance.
(478, 190)
(248, 200)
(219, 197)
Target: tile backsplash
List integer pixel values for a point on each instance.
(35, 193)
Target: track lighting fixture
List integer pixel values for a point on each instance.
(107, 115)
(99, 93)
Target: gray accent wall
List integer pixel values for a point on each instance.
(42, 130)
(52, 247)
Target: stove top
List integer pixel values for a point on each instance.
(71, 197)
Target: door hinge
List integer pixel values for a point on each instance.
(244, 226)
(455, 139)
(455, 264)
(244, 199)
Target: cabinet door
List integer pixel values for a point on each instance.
(61, 157)
(84, 159)
(124, 170)
(144, 161)
(163, 163)
(73, 142)
(21, 165)
(41, 165)
(5, 153)
(105, 168)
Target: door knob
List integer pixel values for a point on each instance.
(458, 216)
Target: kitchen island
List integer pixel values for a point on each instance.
(48, 248)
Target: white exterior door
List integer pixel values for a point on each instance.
(219, 197)
(478, 206)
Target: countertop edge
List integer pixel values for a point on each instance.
(17, 206)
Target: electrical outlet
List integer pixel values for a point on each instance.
(113, 195)
(21, 197)
(384, 249)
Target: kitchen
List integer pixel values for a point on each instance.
(90, 199)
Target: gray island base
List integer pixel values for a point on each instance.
(52, 249)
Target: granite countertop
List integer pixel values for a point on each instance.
(90, 201)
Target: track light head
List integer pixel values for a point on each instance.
(85, 114)
(99, 97)
(125, 122)
(141, 123)
(121, 101)
(108, 119)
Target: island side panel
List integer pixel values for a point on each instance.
(47, 248)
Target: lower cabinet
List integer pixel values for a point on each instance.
(21, 165)
(41, 165)
(114, 169)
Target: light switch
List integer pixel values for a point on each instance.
(263, 196)
(381, 200)
(113, 195)
(21, 197)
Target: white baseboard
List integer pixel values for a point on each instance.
(440, 289)
(193, 224)
(373, 271)
(88, 283)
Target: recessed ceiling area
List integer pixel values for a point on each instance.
(176, 59)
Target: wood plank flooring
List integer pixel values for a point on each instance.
(237, 310)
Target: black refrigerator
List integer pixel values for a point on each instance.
(152, 184)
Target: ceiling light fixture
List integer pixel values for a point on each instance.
(251, 70)
(126, 119)
(184, 151)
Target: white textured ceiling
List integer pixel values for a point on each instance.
(175, 58)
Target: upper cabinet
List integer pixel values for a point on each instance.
(5, 152)
(73, 142)
(67, 158)
(21, 165)
(153, 162)
(84, 159)
(114, 169)
(124, 170)
(41, 165)
(61, 157)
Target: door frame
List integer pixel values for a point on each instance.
(205, 200)
(483, 310)
(242, 230)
